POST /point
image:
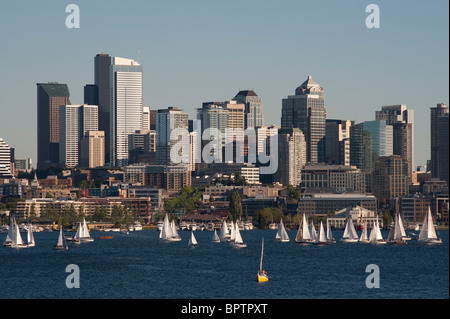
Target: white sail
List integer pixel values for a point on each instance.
(192, 240)
(174, 229)
(379, 235)
(281, 233)
(166, 231)
(86, 233)
(329, 233)
(60, 239)
(364, 237)
(321, 238)
(431, 233)
(238, 237)
(400, 224)
(17, 238)
(215, 237)
(350, 234)
(78, 234)
(223, 232)
(30, 236)
(10, 236)
(313, 231)
(232, 231)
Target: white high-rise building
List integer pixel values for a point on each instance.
(74, 122)
(5, 159)
(291, 156)
(146, 118)
(126, 83)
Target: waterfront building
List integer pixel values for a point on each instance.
(49, 98)
(324, 203)
(359, 215)
(126, 103)
(306, 110)
(334, 178)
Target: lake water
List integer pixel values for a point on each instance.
(138, 266)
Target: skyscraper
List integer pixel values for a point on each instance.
(102, 65)
(166, 121)
(390, 178)
(443, 144)
(49, 97)
(254, 116)
(92, 149)
(402, 121)
(337, 147)
(436, 112)
(306, 110)
(74, 122)
(291, 156)
(5, 159)
(370, 140)
(126, 103)
(213, 115)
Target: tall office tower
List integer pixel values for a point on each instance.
(337, 141)
(254, 116)
(102, 65)
(306, 110)
(291, 156)
(166, 121)
(443, 144)
(49, 97)
(403, 134)
(92, 149)
(146, 118)
(390, 178)
(126, 102)
(368, 141)
(193, 149)
(91, 94)
(436, 112)
(5, 159)
(74, 122)
(402, 142)
(213, 115)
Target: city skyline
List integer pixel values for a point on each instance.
(187, 64)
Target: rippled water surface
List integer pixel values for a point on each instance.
(139, 266)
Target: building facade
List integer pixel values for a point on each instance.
(435, 113)
(291, 156)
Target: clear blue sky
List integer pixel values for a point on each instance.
(196, 51)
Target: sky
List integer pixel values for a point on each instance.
(205, 50)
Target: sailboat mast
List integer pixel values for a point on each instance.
(262, 251)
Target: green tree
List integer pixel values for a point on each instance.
(235, 206)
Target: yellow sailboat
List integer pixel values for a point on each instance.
(262, 275)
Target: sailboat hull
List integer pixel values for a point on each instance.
(281, 240)
(262, 278)
(430, 242)
(378, 242)
(349, 240)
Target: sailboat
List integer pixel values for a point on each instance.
(350, 235)
(281, 235)
(82, 235)
(321, 239)
(192, 241)
(17, 241)
(223, 232)
(364, 239)
(262, 275)
(30, 237)
(330, 237)
(166, 233)
(303, 235)
(60, 245)
(238, 242)
(232, 232)
(215, 238)
(9, 237)
(396, 236)
(428, 233)
(174, 231)
(375, 237)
